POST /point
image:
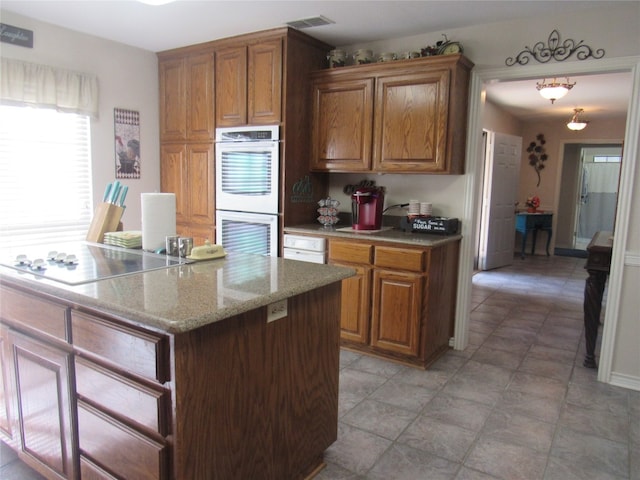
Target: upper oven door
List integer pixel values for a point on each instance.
(247, 176)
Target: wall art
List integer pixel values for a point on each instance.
(127, 143)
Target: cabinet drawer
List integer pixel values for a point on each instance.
(399, 259)
(135, 351)
(350, 252)
(125, 452)
(91, 471)
(47, 317)
(122, 396)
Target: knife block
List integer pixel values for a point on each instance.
(106, 218)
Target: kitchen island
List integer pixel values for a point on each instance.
(220, 369)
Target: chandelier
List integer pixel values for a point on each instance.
(577, 123)
(554, 89)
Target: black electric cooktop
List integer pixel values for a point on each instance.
(84, 262)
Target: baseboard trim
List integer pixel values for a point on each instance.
(625, 381)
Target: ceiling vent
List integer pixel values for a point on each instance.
(310, 22)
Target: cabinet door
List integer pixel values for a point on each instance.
(265, 83)
(341, 127)
(6, 390)
(173, 100)
(45, 406)
(200, 183)
(355, 310)
(411, 122)
(173, 177)
(397, 307)
(200, 97)
(231, 87)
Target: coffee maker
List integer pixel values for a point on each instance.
(366, 208)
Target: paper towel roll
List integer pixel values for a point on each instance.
(158, 219)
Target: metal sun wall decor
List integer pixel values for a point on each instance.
(555, 50)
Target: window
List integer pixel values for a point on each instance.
(45, 176)
(606, 158)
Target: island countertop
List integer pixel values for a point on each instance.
(394, 235)
(185, 297)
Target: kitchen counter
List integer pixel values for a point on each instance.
(394, 235)
(220, 369)
(185, 297)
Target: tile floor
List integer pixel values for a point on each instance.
(516, 404)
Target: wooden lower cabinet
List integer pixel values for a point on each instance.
(45, 406)
(401, 303)
(236, 399)
(397, 308)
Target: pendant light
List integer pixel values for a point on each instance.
(577, 123)
(554, 90)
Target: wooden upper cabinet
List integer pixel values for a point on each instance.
(200, 121)
(186, 98)
(411, 122)
(173, 100)
(231, 87)
(341, 126)
(264, 87)
(408, 116)
(249, 84)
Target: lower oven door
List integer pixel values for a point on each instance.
(247, 232)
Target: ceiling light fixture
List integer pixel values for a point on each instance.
(554, 90)
(577, 123)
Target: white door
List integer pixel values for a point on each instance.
(502, 176)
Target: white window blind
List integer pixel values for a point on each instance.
(45, 176)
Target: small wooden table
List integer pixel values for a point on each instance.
(598, 265)
(526, 222)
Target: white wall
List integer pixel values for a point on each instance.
(127, 77)
(488, 46)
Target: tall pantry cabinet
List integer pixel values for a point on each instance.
(255, 79)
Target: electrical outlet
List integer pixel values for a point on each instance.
(277, 310)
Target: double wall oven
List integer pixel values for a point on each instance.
(247, 193)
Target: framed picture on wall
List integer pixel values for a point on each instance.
(127, 143)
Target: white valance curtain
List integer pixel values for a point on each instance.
(37, 85)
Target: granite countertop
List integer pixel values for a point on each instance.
(185, 297)
(392, 235)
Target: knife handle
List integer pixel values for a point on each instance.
(107, 191)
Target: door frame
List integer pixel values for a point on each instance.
(473, 178)
(561, 162)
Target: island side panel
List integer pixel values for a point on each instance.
(256, 399)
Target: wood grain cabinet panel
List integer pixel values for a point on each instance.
(7, 396)
(119, 449)
(401, 303)
(411, 122)
(141, 353)
(188, 172)
(355, 311)
(123, 397)
(342, 123)
(397, 308)
(200, 97)
(264, 83)
(45, 406)
(408, 116)
(231, 86)
(18, 308)
(173, 99)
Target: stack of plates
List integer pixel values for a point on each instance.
(131, 239)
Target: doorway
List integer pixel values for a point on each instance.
(480, 78)
(588, 194)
